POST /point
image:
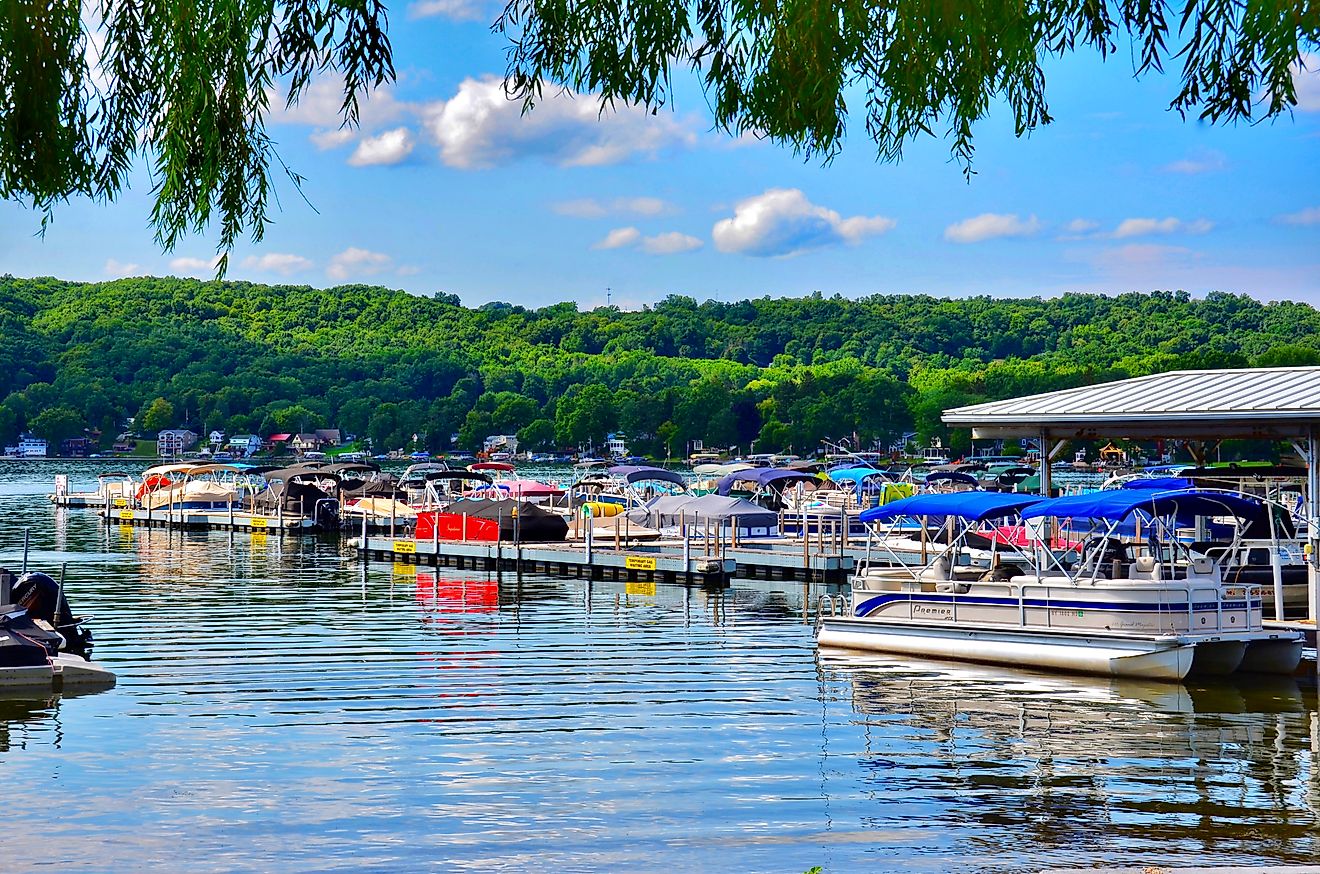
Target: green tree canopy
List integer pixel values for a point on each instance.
(89, 90)
(788, 69)
(181, 84)
(156, 416)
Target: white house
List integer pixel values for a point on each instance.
(174, 441)
(216, 439)
(244, 444)
(616, 445)
(31, 446)
(501, 443)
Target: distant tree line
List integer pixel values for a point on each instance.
(783, 372)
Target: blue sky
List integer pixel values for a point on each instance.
(447, 188)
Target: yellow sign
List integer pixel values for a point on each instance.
(408, 546)
(259, 522)
(121, 502)
(405, 570)
(125, 530)
(647, 589)
(260, 538)
(640, 563)
(125, 514)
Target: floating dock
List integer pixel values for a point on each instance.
(204, 520)
(665, 560)
(562, 559)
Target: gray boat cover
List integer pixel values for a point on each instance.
(669, 511)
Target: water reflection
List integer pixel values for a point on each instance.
(1076, 765)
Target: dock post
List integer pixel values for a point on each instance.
(586, 512)
(279, 513)
(687, 541)
(27, 538)
(364, 536)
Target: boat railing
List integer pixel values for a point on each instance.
(1042, 604)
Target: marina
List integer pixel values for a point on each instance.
(492, 717)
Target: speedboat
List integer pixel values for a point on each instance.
(1146, 608)
(41, 643)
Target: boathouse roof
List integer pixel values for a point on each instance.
(1261, 402)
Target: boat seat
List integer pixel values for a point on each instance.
(1203, 567)
(1145, 567)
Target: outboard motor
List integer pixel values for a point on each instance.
(326, 514)
(41, 597)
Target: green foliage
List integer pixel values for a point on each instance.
(157, 416)
(786, 70)
(56, 424)
(787, 373)
(182, 84)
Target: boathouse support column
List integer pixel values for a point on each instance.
(1313, 523)
(1045, 483)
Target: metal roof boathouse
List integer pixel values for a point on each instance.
(1270, 403)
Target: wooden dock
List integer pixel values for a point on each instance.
(666, 560)
(1306, 627)
(206, 520)
(561, 559)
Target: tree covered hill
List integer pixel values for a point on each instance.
(785, 372)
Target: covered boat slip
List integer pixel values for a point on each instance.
(1031, 606)
(1203, 407)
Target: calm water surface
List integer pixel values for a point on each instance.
(282, 705)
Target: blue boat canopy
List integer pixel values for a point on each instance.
(639, 473)
(856, 475)
(1116, 504)
(965, 505)
(764, 476)
(1158, 483)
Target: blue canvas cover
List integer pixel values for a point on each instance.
(1116, 504)
(974, 506)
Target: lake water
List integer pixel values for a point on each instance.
(283, 706)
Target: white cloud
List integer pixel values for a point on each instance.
(195, 265)
(320, 107)
(619, 238)
(590, 207)
(1143, 227)
(332, 139)
(480, 127)
(1306, 79)
(282, 263)
(1204, 161)
(990, 225)
(391, 147)
(783, 222)
(670, 243)
(119, 269)
(408, 270)
(357, 262)
(1308, 216)
(1080, 226)
(1140, 255)
(455, 10)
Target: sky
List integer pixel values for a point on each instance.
(448, 187)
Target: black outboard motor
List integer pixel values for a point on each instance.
(23, 643)
(41, 597)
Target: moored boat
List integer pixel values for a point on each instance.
(1158, 614)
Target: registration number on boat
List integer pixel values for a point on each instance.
(639, 563)
(407, 546)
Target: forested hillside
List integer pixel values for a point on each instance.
(784, 372)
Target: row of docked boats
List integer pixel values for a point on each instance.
(1137, 582)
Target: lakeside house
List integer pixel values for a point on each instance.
(314, 441)
(29, 446)
(500, 444)
(175, 441)
(616, 445)
(244, 445)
